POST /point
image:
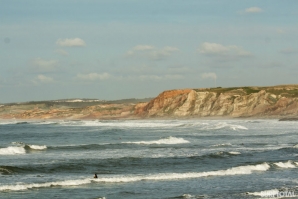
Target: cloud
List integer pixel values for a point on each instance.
(288, 51)
(62, 52)
(280, 31)
(143, 47)
(213, 48)
(75, 42)
(151, 52)
(94, 76)
(230, 52)
(253, 10)
(42, 65)
(209, 76)
(160, 77)
(44, 79)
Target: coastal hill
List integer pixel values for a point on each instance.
(262, 102)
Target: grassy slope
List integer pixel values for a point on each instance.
(290, 91)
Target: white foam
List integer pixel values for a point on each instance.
(12, 150)
(288, 164)
(125, 124)
(220, 145)
(31, 146)
(5, 122)
(169, 140)
(222, 125)
(38, 147)
(187, 196)
(241, 170)
(234, 153)
(296, 146)
(43, 185)
(45, 122)
(19, 143)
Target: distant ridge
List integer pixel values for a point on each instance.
(237, 102)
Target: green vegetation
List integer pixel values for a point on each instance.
(284, 91)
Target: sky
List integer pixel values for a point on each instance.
(118, 49)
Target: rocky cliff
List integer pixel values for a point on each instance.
(275, 102)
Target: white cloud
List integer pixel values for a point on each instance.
(75, 42)
(43, 65)
(94, 76)
(44, 79)
(151, 52)
(160, 77)
(213, 48)
(288, 51)
(143, 47)
(216, 49)
(209, 76)
(62, 52)
(280, 31)
(253, 10)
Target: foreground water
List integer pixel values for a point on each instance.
(149, 159)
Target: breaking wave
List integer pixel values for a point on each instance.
(37, 147)
(20, 148)
(240, 170)
(30, 146)
(169, 140)
(123, 124)
(19, 187)
(12, 150)
(234, 153)
(222, 125)
(288, 164)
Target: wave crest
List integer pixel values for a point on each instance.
(12, 150)
(288, 164)
(241, 170)
(223, 125)
(169, 140)
(37, 147)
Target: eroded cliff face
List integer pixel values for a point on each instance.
(237, 102)
(276, 102)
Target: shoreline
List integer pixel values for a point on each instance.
(150, 118)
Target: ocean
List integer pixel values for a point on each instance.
(159, 159)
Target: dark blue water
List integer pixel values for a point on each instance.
(148, 159)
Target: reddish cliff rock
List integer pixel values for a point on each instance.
(231, 102)
(276, 101)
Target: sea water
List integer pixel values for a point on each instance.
(149, 159)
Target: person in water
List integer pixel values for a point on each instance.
(95, 175)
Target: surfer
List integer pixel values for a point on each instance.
(95, 176)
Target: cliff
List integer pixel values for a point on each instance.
(277, 101)
(267, 102)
